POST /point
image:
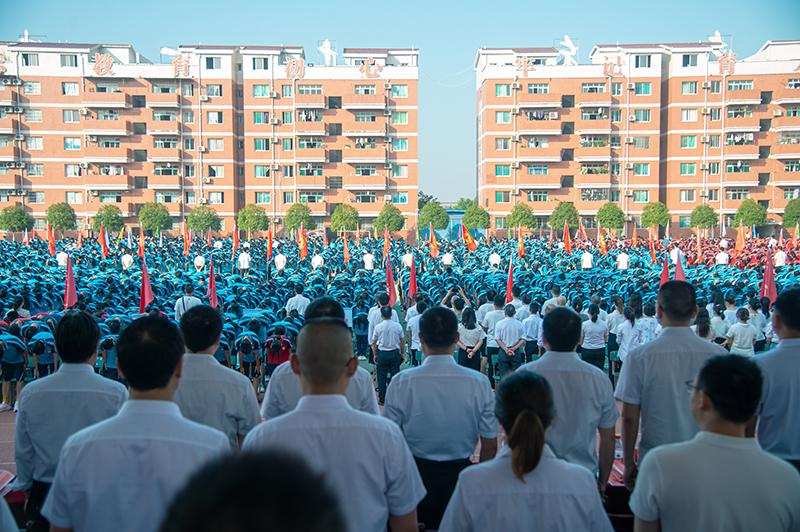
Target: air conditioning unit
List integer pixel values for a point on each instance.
(8, 110)
(515, 111)
(777, 112)
(276, 167)
(19, 138)
(16, 164)
(631, 86)
(387, 166)
(204, 97)
(629, 193)
(207, 180)
(387, 139)
(84, 111)
(7, 81)
(91, 138)
(203, 201)
(515, 165)
(17, 110)
(274, 121)
(705, 111)
(20, 192)
(552, 115)
(705, 139)
(516, 86)
(703, 166)
(273, 94)
(387, 198)
(276, 140)
(706, 85)
(704, 193)
(201, 149)
(628, 140)
(95, 192)
(387, 85)
(387, 112)
(84, 165)
(631, 118)
(16, 81)
(628, 166)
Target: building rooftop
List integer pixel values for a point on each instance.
(378, 50)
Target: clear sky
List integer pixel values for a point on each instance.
(447, 34)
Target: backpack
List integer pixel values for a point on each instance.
(279, 348)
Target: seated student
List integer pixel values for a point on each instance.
(237, 494)
(526, 487)
(210, 393)
(14, 360)
(120, 474)
(720, 480)
(362, 457)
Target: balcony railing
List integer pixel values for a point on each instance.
(111, 100)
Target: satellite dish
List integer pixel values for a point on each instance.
(169, 51)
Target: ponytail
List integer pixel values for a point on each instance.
(594, 312)
(526, 440)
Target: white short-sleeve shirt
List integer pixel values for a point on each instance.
(298, 302)
(509, 331)
(127, 261)
(388, 335)
(743, 335)
(587, 260)
(369, 261)
(594, 334)
(721, 258)
(412, 325)
(779, 412)
(489, 322)
(780, 258)
(623, 260)
(470, 337)
(244, 260)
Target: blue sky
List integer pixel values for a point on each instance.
(447, 34)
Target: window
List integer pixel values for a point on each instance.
(216, 170)
(641, 143)
(190, 197)
(793, 83)
(641, 168)
(791, 193)
(502, 196)
(335, 182)
(399, 144)
(502, 117)
(365, 169)
(166, 197)
(713, 168)
(502, 170)
(791, 166)
(310, 197)
(165, 116)
(737, 194)
(684, 221)
(615, 168)
(741, 111)
(72, 143)
(309, 89)
(500, 222)
(188, 143)
(165, 169)
(214, 117)
(35, 169)
(713, 194)
(363, 197)
(165, 88)
(111, 169)
(688, 141)
(315, 143)
(108, 114)
(688, 168)
(263, 197)
(616, 89)
(789, 137)
(616, 115)
(216, 198)
(32, 87)
(261, 91)
(288, 144)
(74, 198)
(716, 113)
(537, 195)
(214, 89)
(502, 89)
(213, 63)
(716, 87)
(110, 197)
(188, 88)
(593, 87)
(188, 117)
(261, 170)
(364, 90)
(538, 88)
(641, 115)
(689, 60)
(594, 113)
(538, 142)
(33, 115)
(537, 169)
(261, 144)
(400, 197)
(641, 196)
(112, 142)
(71, 116)
(400, 170)
(737, 167)
(593, 168)
(689, 115)
(34, 143)
(400, 118)
(642, 88)
(72, 170)
(35, 197)
(399, 91)
(261, 63)
(713, 141)
(216, 144)
(641, 61)
(613, 196)
(288, 170)
(30, 59)
(365, 116)
(740, 84)
(502, 143)
(69, 60)
(740, 139)
(594, 194)
(689, 87)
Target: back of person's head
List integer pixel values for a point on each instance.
(733, 384)
(324, 350)
(148, 352)
(524, 407)
(730, 299)
(765, 304)
(594, 312)
(383, 299)
(115, 326)
(386, 313)
(201, 327)
(422, 306)
(719, 310)
(515, 291)
(649, 309)
(419, 296)
(577, 305)
(534, 307)
(499, 301)
(787, 306)
(188, 289)
(596, 300)
(438, 329)
(742, 314)
(458, 303)
(254, 491)
(526, 299)
(630, 315)
(11, 315)
(510, 310)
(755, 303)
(298, 288)
(76, 337)
(562, 329)
(324, 307)
(280, 330)
(490, 295)
(619, 303)
(703, 323)
(468, 318)
(678, 300)
(555, 290)
(254, 325)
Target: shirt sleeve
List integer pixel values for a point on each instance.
(456, 516)
(23, 449)
(644, 499)
(392, 409)
(629, 387)
(609, 412)
(273, 405)
(488, 422)
(57, 505)
(249, 416)
(369, 401)
(404, 489)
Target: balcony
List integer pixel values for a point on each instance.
(365, 129)
(786, 96)
(744, 97)
(314, 129)
(163, 99)
(364, 101)
(164, 182)
(311, 182)
(9, 124)
(786, 123)
(742, 124)
(538, 156)
(548, 152)
(317, 208)
(166, 129)
(539, 182)
(94, 181)
(10, 180)
(310, 155)
(115, 128)
(9, 152)
(739, 180)
(592, 152)
(538, 101)
(309, 101)
(593, 99)
(741, 151)
(358, 182)
(785, 151)
(105, 100)
(93, 153)
(375, 155)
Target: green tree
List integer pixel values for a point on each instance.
(297, 215)
(465, 203)
(154, 217)
(434, 213)
(521, 216)
(564, 212)
(655, 213)
(611, 216)
(61, 217)
(791, 214)
(203, 218)
(14, 219)
(109, 216)
(253, 218)
(476, 217)
(704, 217)
(423, 199)
(390, 217)
(344, 218)
(750, 213)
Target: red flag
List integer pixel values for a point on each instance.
(146, 291)
(187, 241)
(269, 244)
(103, 239)
(601, 241)
(209, 243)
(70, 291)
(235, 246)
(699, 248)
(520, 243)
(740, 242)
(510, 281)
(358, 235)
(25, 239)
(768, 288)
(80, 239)
(387, 241)
(212, 287)
(552, 235)
(582, 230)
(51, 240)
(653, 258)
(434, 246)
(412, 281)
(324, 237)
(390, 288)
(346, 250)
(471, 244)
(679, 275)
(302, 242)
(665, 272)
(567, 241)
(780, 238)
(141, 242)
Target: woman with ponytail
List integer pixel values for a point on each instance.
(594, 336)
(526, 487)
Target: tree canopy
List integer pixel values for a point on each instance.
(791, 214)
(611, 216)
(389, 217)
(154, 217)
(564, 212)
(749, 213)
(203, 218)
(476, 217)
(433, 213)
(465, 203)
(109, 216)
(252, 218)
(344, 218)
(61, 217)
(704, 217)
(655, 213)
(521, 216)
(297, 215)
(15, 218)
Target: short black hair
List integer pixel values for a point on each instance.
(438, 327)
(733, 383)
(201, 327)
(255, 491)
(510, 310)
(678, 299)
(556, 290)
(562, 329)
(188, 288)
(76, 336)
(386, 312)
(788, 306)
(149, 350)
(383, 299)
(499, 301)
(324, 307)
(298, 288)
(422, 306)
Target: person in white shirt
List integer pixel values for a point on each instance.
(741, 335)
(297, 302)
(489, 322)
(723, 243)
(719, 324)
(243, 262)
(753, 490)
(722, 258)
(623, 260)
(209, 393)
(447, 259)
(374, 318)
(361, 457)
(61, 259)
(587, 260)
(144, 454)
(730, 308)
(127, 261)
(186, 301)
(652, 381)
(508, 333)
(582, 392)
(676, 254)
(388, 348)
(317, 261)
(780, 258)
(199, 263)
(524, 310)
(471, 338)
(494, 260)
(526, 487)
(555, 292)
(444, 411)
(412, 333)
(532, 325)
(488, 306)
(412, 310)
(758, 321)
(369, 261)
(280, 261)
(629, 334)
(408, 259)
(55, 407)
(515, 300)
(594, 337)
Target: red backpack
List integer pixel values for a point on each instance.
(279, 348)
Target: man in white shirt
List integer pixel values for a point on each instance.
(297, 302)
(587, 260)
(243, 262)
(61, 259)
(408, 259)
(494, 260)
(515, 300)
(447, 259)
(555, 292)
(779, 258)
(489, 322)
(388, 349)
(186, 301)
(369, 261)
(361, 457)
(209, 393)
(623, 260)
(144, 454)
(753, 490)
(444, 410)
(532, 324)
(199, 263)
(317, 261)
(374, 316)
(675, 254)
(126, 261)
(652, 381)
(486, 307)
(280, 261)
(508, 333)
(55, 407)
(722, 258)
(582, 392)
(412, 333)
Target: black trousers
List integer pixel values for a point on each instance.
(507, 364)
(362, 346)
(531, 350)
(471, 363)
(34, 521)
(387, 366)
(595, 357)
(440, 480)
(490, 352)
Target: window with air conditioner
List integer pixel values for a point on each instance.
(689, 60)
(538, 88)
(713, 141)
(502, 170)
(641, 169)
(713, 168)
(642, 88)
(399, 91)
(261, 91)
(261, 63)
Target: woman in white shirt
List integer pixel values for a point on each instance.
(613, 321)
(470, 340)
(702, 326)
(741, 335)
(628, 334)
(719, 324)
(759, 323)
(525, 487)
(594, 335)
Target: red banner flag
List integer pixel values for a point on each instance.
(471, 244)
(510, 280)
(601, 241)
(26, 241)
(433, 245)
(70, 290)
(146, 291)
(768, 288)
(358, 235)
(412, 281)
(520, 243)
(346, 250)
(141, 242)
(567, 241)
(79, 245)
(582, 229)
(387, 241)
(653, 257)
(699, 248)
(302, 242)
(679, 275)
(209, 242)
(103, 239)
(740, 241)
(390, 288)
(324, 237)
(51, 240)
(235, 245)
(664, 272)
(187, 240)
(212, 287)
(269, 244)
